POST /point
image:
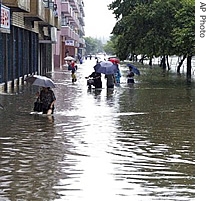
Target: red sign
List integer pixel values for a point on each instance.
(5, 17)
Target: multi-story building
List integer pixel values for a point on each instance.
(70, 37)
(35, 35)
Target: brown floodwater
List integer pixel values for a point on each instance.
(136, 142)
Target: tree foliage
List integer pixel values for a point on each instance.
(109, 47)
(154, 27)
(184, 31)
(93, 45)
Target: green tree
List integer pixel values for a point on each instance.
(93, 45)
(109, 48)
(154, 27)
(184, 33)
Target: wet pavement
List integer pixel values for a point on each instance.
(135, 142)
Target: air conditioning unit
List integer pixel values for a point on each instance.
(53, 34)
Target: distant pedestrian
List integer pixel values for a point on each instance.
(73, 76)
(81, 61)
(74, 64)
(97, 60)
(79, 56)
(130, 76)
(72, 67)
(117, 77)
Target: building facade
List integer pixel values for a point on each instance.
(33, 37)
(70, 37)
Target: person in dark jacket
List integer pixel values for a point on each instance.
(47, 98)
(110, 80)
(97, 83)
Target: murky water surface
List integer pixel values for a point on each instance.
(131, 143)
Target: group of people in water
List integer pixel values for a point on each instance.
(46, 96)
(112, 79)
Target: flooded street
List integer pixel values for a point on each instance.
(133, 143)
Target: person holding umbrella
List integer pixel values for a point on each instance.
(130, 76)
(117, 75)
(109, 69)
(132, 70)
(72, 67)
(47, 98)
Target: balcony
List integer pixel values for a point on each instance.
(74, 21)
(17, 5)
(75, 36)
(81, 19)
(49, 18)
(82, 41)
(73, 3)
(66, 9)
(37, 13)
(82, 30)
(75, 6)
(66, 31)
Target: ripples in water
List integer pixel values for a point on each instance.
(132, 143)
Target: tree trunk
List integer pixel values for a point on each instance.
(163, 64)
(189, 67)
(167, 63)
(142, 59)
(150, 62)
(135, 58)
(180, 64)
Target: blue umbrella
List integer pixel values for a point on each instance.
(106, 67)
(134, 69)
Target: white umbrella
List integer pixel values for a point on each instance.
(69, 58)
(41, 81)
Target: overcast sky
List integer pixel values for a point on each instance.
(99, 21)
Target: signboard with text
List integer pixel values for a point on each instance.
(4, 19)
(69, 42)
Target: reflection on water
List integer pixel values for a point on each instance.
(135, 142)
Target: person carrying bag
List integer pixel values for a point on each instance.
(37, 105)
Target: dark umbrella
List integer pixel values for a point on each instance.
(41, 81)
(106, 67)
(134, 69)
